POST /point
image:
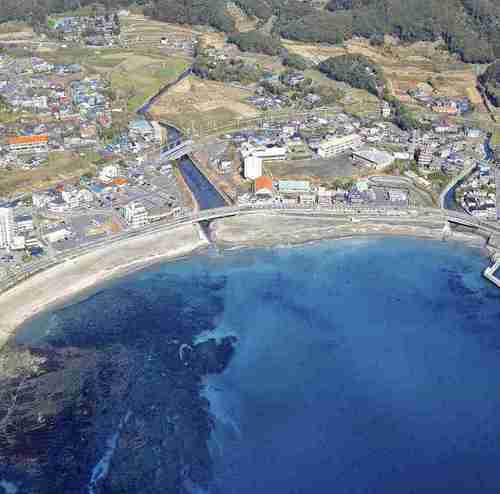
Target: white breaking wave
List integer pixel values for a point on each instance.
(8, 487)
(101, 469)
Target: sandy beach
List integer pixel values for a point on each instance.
(268, 229)
(65, 280)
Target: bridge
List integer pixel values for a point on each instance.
(176, 150)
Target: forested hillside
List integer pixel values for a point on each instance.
(491, 81)
(470, 28)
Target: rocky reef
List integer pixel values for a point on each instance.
(119, 412)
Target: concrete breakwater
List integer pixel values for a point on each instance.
(490, 272)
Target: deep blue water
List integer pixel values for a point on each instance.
(204, 192)
(363, 366)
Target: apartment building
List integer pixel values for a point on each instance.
(135, 214)
(6, 227)
(338, 145)
(29, 144)
(252, 168)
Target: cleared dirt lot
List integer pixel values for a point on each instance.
(318, 168)
(201, 104)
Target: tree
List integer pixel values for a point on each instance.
(356, 70)
(295, 61)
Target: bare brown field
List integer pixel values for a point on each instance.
(406, 66)
(216, 40)
(198, 103)
(243, 21)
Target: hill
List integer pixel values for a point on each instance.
(491, 82)
(470, 28)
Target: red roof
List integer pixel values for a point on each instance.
(263, 183)
(28, 139)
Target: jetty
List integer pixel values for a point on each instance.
(490, 272)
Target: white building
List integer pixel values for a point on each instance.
(40, 200)
(385, 109)
(70, 197)
(57, 235)
(6, 227)
(338, 145)
(135, 214)
(264, 153)
(252, 167)
(373, 158)
(108, 173)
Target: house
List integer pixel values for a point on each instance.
(140, 128)
(385, 109)
(263, 187)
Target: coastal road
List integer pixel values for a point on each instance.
(422, 216)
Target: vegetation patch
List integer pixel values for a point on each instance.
(356, 70)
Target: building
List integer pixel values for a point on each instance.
(135, 214)
(272, 153)
(56, 235)
(140, 127)
(24, 223)
(425, 156)
(252, 168)
(294, 187)
(40, 200)
(324, 197)
(263, 187)
(497, 182)
(373, 158)
(108, 173)
(385, 109)
(338, 145)
(29, 144)
(307, 200)
(6, 227)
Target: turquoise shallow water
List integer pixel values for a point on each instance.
(362, 366)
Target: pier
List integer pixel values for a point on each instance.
(490, 273)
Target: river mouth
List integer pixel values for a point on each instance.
(339, 365)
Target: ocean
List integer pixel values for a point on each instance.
(359, 366)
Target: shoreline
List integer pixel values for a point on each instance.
(31, 297)
(66, 280)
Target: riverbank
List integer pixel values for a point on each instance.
(65, 280)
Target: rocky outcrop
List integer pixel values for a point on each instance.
(132, 420)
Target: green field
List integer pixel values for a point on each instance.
(495, 139)
(59, 166)
(139, 77)
(134, 75)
